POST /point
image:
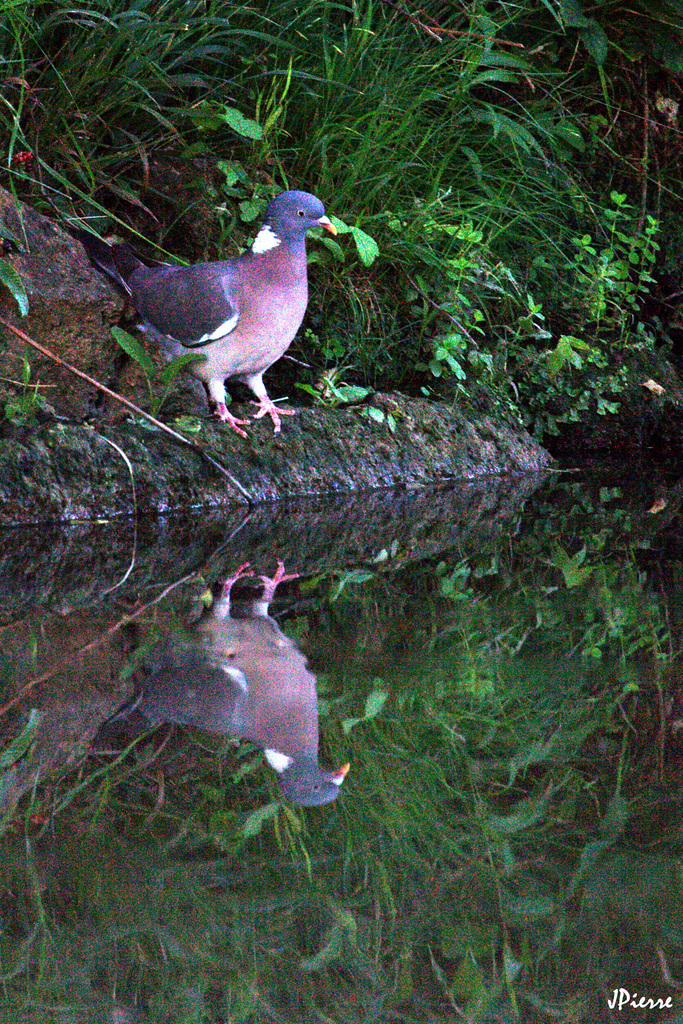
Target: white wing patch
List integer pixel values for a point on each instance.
(237, 675)
(277, 760)
(221, 330)
(265, 240)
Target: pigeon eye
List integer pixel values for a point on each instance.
(301, 213)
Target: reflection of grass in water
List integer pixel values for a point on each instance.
(472, 862)
(494, 850)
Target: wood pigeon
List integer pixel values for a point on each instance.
(243, 677)
(240, 314)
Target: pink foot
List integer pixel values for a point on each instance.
(267, 407)
(225, 417)
(228, 584)
(272, 583)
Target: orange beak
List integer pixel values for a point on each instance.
(326, 223)
(341, 774)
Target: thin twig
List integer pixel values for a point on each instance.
(646, 153)
(94, 643)
(135, 517)
(129, 405)
(433, 29)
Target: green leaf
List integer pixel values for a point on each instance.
(10, 278)
(343, 929)
(567, 351)
(572, 14)
(572, 568)
(672, 55)
(206, 116)
(375, 414)
(256, 820)
(474, 162)
(244, 126)
(522, 815)
(570, 134)
(374, 703)
(531, 908)
(233, 172)
(367, 247)
(209, 116)
(334, 247)
(308, 388)
(351, 393)
(342, 228)
(189, 424)
(20, 744)
(493, 75)
(596, 42)
(618, 813)
(516, 133)
(134, 349)
(249, 211)
(353, 576)
(171, 371)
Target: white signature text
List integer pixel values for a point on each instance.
(622, 997)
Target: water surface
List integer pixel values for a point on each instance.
(498, 662)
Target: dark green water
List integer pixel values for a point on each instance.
(499, 663)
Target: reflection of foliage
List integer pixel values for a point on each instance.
(497, 850)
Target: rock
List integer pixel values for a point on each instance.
(71, 308)
(54, 471)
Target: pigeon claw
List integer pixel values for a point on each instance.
(267, 407)
(225, 417)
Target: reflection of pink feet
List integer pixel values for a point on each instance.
(228, 584)
(221, 608)
(271, 584)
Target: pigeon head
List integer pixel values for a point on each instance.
(305, 783)
(291, 214)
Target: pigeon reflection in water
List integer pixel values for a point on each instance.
(244, 677)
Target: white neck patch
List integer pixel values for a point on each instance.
(280, 762)
(265, 240)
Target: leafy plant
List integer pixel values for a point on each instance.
(614, 280)
(466, 152)
(11, 280)
(153, 376)
(22, 408)
(330, 392)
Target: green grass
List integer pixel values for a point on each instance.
(474, 145)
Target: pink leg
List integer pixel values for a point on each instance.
(237, 575)
(221, 609)
(269, 408)
(216, 393)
